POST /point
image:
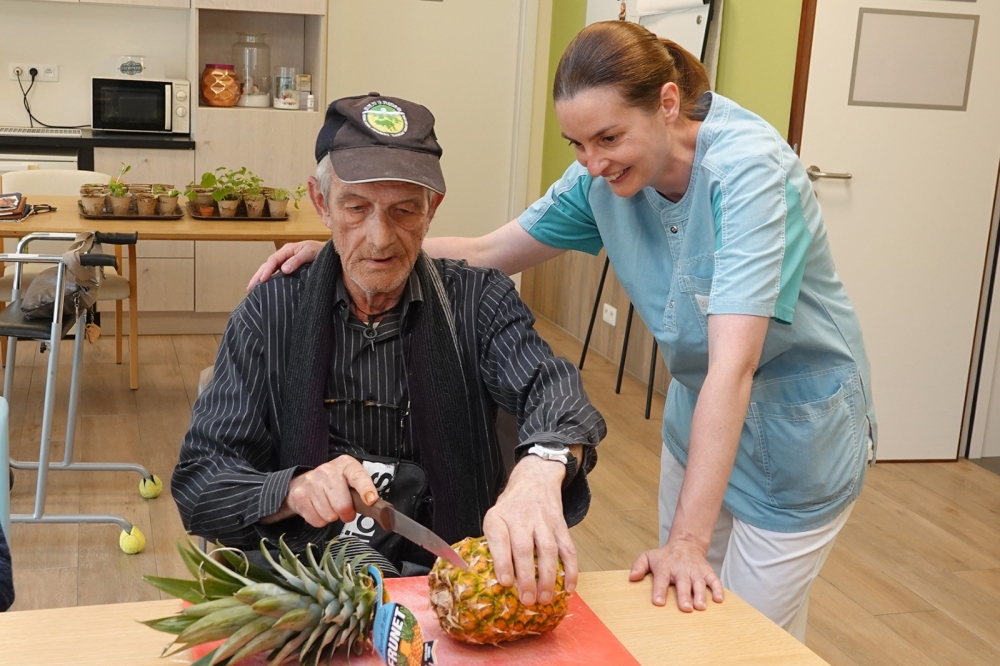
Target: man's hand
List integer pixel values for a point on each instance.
(323, 495)
(528, 518)
(288, 258)
(682, 564)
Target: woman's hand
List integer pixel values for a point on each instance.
(289, 258)
(681, 564)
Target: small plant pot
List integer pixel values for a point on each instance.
(227, 208)
(93, 204)
(166, 205)
(277, 208)
(120, 205)
(146, 204)
(204, 197)
(206, 210)
(255, 206)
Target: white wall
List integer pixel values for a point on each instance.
(83, 40)
(460, 60)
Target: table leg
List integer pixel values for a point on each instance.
(133, 320)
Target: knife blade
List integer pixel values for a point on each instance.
(385, 514)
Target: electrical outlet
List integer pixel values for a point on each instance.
(610, 314)
(46, 73)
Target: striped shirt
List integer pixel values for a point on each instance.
(6, 573)
(228, 475)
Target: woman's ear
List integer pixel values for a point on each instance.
(670, 102)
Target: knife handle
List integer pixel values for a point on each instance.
(381, 511)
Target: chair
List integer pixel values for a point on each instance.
(115, 287)
(628, 329)
(50, 331)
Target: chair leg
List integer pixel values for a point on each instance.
(118, 332)
(621, 364)
(133, 321)
(652, 375)
(593, 315)
(3, 341)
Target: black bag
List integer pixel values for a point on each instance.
(404, 485)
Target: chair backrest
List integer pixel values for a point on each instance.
(50, 181)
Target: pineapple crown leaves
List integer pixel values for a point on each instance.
(306, 611)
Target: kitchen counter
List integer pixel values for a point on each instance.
(85, 144)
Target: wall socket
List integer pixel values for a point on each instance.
(610, 314)
(46, 73)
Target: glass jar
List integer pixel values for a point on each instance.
(285, 94)
(219, 85)
(253, 66)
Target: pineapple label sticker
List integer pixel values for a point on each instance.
(385, 118)
(396, 633)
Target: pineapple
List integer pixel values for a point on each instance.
(305, 611)
(473, 607)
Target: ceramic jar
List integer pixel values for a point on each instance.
(220, 85)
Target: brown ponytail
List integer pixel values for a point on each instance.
(632, 60)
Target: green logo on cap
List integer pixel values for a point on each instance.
(385, 118)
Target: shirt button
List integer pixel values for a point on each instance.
(670, 304)
(673, 229)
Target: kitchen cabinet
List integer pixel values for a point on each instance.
(315, 7)
(277, 145)
(222, 270)
(177, 4)
(165, 285)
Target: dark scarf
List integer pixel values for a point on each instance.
(451, 454)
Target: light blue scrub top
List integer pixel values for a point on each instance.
(747, 237)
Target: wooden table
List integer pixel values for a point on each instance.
(727, 633)
(302, 224)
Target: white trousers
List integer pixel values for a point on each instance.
(772, 571)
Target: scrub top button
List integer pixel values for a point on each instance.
(673, 229)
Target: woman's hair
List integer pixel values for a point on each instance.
(632, 60)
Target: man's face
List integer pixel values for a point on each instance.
(378, 229)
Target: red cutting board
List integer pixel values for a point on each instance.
(581, 639)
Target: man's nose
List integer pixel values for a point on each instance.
(380, 229)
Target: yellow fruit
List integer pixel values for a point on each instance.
(473, 607)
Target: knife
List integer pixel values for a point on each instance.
(390, 520)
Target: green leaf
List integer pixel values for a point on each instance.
(175, 624)
(188, 590)
(249, 569)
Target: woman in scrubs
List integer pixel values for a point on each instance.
(712, 226)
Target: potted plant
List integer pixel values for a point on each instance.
(166, 200)
(227, 192)
(200, 193)
(92, 198)
(145, 201)
(121, 198)
(253, 194)
(277, 203)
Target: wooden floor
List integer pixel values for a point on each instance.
(914, 577)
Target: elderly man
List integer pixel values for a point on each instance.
(380, 370)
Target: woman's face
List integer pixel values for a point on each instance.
(627, 146)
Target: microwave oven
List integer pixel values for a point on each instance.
(141, 105)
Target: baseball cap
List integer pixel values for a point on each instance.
(373, 137)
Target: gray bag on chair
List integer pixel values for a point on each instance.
(82, 282)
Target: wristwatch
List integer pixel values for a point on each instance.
(560, 453)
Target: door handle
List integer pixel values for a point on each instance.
(814, 173)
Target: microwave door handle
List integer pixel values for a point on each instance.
(168, 99)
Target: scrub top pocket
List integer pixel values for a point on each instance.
(810, 451)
